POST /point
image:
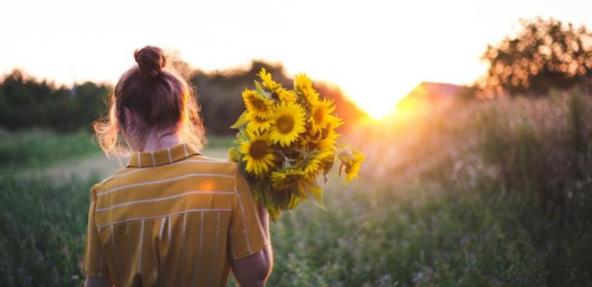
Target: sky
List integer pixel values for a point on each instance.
(376, 51)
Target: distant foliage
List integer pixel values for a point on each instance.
(27, 102)
(219, 94)
(546, 54)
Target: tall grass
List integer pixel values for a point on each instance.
(475, 194)
(537, 146)
(38, 148)
(542, 148)
(426, 233)
(42, 227)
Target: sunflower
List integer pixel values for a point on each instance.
(257, 153)
(328, 140)
(317, 163)
(352, 170)
(286, 95)
(323, 140)
(256, 104)
(351, 161)
(286, 178)
(286, 140)
(257, 124)
(268, 82)
(321, 115)
(288, 123)
(303, 84)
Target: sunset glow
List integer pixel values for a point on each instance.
(375, 51)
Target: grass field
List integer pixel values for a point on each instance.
(423, 234)
(437, 214)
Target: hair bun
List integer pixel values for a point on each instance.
(151, 61)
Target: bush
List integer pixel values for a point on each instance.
(541, 148)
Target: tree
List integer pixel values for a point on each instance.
(546, 54)
(26, 102)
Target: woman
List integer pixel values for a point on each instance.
(172, 217)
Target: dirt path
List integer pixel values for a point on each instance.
(95, 164)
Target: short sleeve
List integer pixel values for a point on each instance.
(94, 260)
(246, 235)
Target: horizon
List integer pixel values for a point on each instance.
(313, 38)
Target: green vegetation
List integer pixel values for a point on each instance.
(425, 234)
(219, 142)
(541, 148)
(429, 235)
(26, 102)
(39, 148)
(546, 54)
(454, 192)
(495, 195)
(42, 231)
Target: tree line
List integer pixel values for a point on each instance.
(27, 102)
(545, 55)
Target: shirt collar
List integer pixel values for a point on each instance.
(161, 156)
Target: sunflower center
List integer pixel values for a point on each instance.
(319, 115)
(258, 149)
(291, 179)
(259, 120)
(259, 105)
(285, 124)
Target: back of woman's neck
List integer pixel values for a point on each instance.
(157, 140)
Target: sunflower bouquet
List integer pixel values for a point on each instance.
(286, 141)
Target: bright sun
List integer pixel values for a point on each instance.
(374, 82)
(378, 101)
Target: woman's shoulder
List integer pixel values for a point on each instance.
(212, 158)
(198, 163)
(117, 173)
(214, 163)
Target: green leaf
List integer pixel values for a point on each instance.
(315, 193)
(274, 213)
(295, 200)
(262, 91)
(259, 88)
(242, 120)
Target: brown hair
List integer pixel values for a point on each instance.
(159, 97)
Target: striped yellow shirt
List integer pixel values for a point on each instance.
(172, 217)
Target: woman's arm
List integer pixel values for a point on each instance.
(254, 270)
(268, 251)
